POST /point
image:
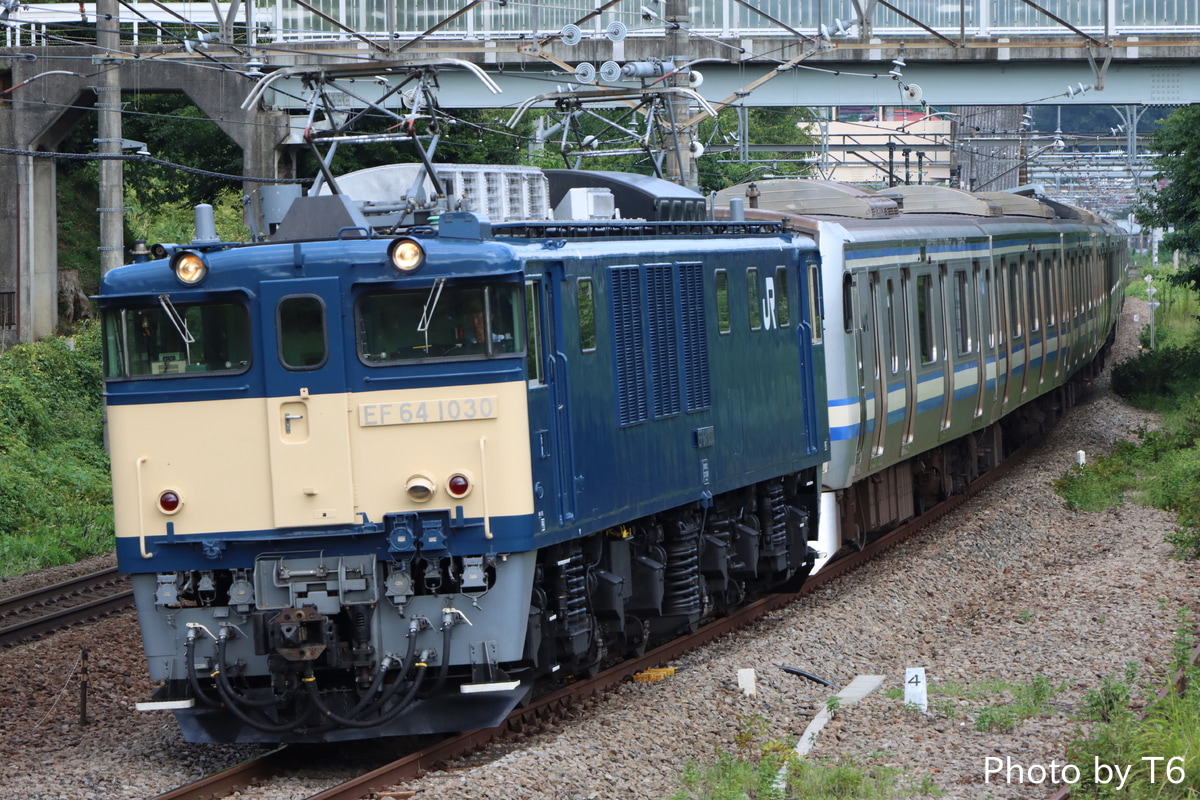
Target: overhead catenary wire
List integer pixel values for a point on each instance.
(148, 160)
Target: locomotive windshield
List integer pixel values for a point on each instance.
(442, 321)
(166, 339)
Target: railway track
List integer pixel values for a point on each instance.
(42, 611)
(545, 710)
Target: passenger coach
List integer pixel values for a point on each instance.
(959, 326)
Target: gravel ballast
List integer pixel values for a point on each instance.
(1010, 586)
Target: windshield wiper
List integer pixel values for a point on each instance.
(180, 325)
(435, 294)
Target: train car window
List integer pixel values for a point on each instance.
(783, 309)
(721, 279)
(962, 324)
(847, 303)
(1035, 296)
(893, 347)
(1076, 285)
(816, 302)
(1048, 266)
(1091, 279)
(533, 316)
(1014, 301)
(169, 339)
(587, 315)
(302, 336)
(988, 307)
(1000, 305)
(753, 305)
(1073, 283)
(925, 309)
(468, 321)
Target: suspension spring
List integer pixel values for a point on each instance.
(572, 593)
(682, 573)
(774, 513)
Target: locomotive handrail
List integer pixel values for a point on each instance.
(487, 518)
(141, 511)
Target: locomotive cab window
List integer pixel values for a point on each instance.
(170, 339)
(441, 321)
(533, 327)
(303, 338)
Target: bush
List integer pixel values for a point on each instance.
(55, 491)
(1155, 378)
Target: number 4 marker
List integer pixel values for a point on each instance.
(914, 688)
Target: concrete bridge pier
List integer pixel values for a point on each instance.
(47, 98)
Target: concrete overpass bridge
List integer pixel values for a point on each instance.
(257, 67)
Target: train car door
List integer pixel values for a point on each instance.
(1051, 325)
(1001, 325)
(1037, 316)
(811, 333)
(307, 423)
(982, 347)
(1066, 317)
(878, 322)
(948, 353)
(549, 421)
(909, 351)
(854, 324)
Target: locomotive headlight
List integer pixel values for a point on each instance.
(420, 488)
(189, 267)
(459, 485)
(406, 255)
(169, 501)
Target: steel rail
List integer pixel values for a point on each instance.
(59, 612)
(237, 778)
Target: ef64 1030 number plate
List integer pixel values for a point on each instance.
(456, 409)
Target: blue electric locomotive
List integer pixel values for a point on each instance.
(377, 474)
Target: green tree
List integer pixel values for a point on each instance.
(175, 130)
(1176, 201)
(767, 126)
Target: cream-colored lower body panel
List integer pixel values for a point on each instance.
(479, 431)
(213, 454)
(260, 464)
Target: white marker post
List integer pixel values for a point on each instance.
(1151, 290)
(748, 682)
(914, 688)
